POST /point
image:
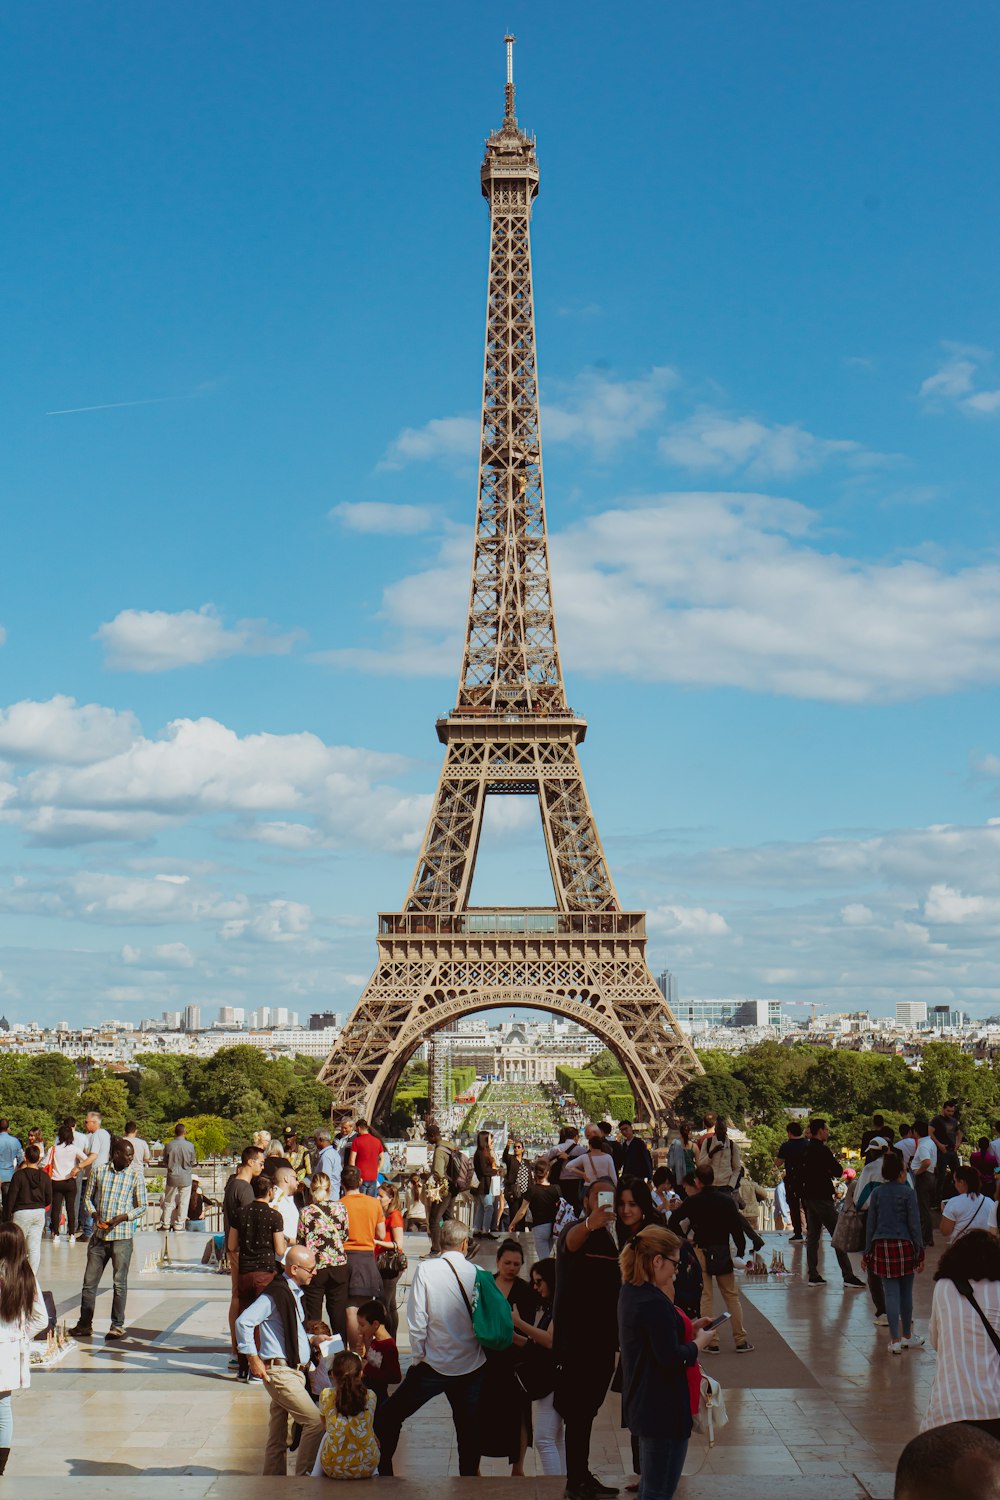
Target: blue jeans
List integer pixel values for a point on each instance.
(99, 1252)
(6, 1421)
(370, 1188)
(662, 1461)
(420, 1385)
(483, 1221)
(899, 1304)
(84, 1219)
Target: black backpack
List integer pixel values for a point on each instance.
(459, 1171)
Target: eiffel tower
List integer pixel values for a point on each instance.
(511, 733)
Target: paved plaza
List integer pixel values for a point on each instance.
(820, 1409)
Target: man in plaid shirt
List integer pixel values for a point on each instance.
(117, 1197)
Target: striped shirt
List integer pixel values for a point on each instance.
(967, 1375)
(110, 1193)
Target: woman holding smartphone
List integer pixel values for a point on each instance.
(661, 1379)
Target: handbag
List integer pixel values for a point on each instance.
(492, 1319)
(392, 1263)
(565, 1214)
(711, 1411)
(849, 1231)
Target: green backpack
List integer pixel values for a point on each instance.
(492, 1319)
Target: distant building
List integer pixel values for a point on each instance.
(911, 1012)
(667, 984)
(702, 1015)
(171, 1020)
(192, 1018)
(231, 1015)
(321, 1019)
(944, 1018)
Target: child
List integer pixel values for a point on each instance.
(381, 1355)
(317, 1378)
(349, 1449)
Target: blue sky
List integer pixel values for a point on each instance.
(251, 238)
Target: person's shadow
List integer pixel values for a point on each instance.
(89, 1467)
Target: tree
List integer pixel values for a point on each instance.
(107, 1095)
(718, 1093)
(604, 1065)
(208, 1135)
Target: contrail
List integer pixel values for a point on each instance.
(68, 411)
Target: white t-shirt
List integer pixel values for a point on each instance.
(906, 1148)
(926, 1151)
(969, 1211)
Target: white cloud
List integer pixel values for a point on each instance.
(446, 438)
(161, 955)
(856, 914)
(955, 381)
(276, 922)
(375, 518)
(60, 729)
(711, 441)
(688, 921)
(717, 589)
(602, 412)
(153, 640)
(950, 907)
(338, 794)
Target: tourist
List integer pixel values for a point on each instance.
(324, 1229)
(256, 1241)
(98, 1153)
(987, 1164)
(328, 1161)
(542, 1201)
(237, 1194)
(906, 1145)
(596, 1161)
(115, 1200)
(664, 1193)
(142, 1157)
(487, 1188)
(365, 1226)
(966, 1384)
(720, 1152)
(659, 1352)
(955, 1462)
(818, 1171)
(440, 1196)
(349, 1448)
(297, 1154)
(23, 1314)
(445, 1354)
(679, 1151)
(969, 1208)
(365, 1154)
(516, 1182)
(923, 1167)
(286, 1187)
(381, 1356)
(390, 1248)
(65, 1159)
(789, 1160)
(415, 1211)
(276, 1318)
(180, 1159)
(995, 1141)
(946, 1131)
(636, 1158)
(635, 1208)
(894, 1249)
(537, 1371)
(262, 1138)
(197, 1204)
(504, 1405)
(275, 1159)
(345, 1139)
(29, 1197)
(878, 1128)
(585, 1322)
(707, 1130)
(11, 1157)
(710, 1216)
(870, 1178)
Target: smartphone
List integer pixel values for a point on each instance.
(606, 1199)
(720, 1319)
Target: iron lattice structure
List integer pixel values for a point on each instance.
(512, 733)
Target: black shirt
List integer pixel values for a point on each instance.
(819, 1170)
(946, 1129)
(238, 1194)
(790, 1153)
(543, 1202)
(585, 1314)
(29, 1188)
(712, 1217)
(256, 1226)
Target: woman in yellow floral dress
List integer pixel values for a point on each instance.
(349, 1449)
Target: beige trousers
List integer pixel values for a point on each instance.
(289, 1398)
(730, 1296)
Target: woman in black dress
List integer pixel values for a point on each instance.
(504, 1406)
(486, 1168)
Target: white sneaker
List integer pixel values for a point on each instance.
(896, 1347)
(881, 1321)
(913, 1342)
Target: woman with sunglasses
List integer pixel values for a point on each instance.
(659, 1359)
(538, 1372)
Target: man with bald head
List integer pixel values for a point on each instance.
(284, 1351)
(956, 1462)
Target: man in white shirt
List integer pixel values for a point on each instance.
(906, 1145)
(98, 1148)
(141, 1154)
(446, 1355)
(922, 1170)
(286, 1184)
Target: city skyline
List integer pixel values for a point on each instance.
(242, 530)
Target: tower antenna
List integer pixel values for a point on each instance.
(509, 91)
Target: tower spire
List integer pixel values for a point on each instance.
(509, 91)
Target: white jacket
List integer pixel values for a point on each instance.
(15, 1339)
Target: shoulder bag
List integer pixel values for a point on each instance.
(492, 1319)
(849, 1230)
(711, 1411)
(392, 1263)
(964, 1289)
